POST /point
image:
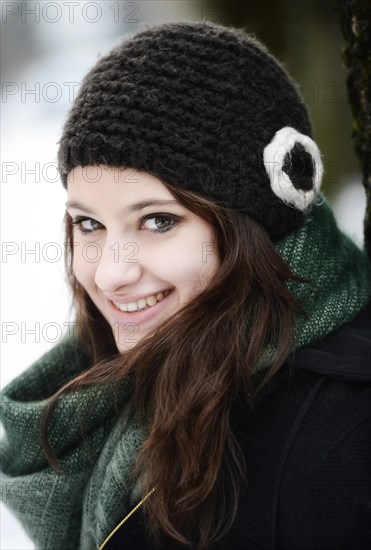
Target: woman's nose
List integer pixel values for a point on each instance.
(118, 265)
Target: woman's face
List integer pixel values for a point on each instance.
(139, 254)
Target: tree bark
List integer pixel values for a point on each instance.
(355, 23)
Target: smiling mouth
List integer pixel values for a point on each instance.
(143, 303)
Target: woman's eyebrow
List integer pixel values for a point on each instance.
(79, 205)
(149, 202)
(129, 209)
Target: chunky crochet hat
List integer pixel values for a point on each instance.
(203, 107)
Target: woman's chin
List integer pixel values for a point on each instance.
(126, 345)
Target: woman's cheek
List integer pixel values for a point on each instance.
(83, 269)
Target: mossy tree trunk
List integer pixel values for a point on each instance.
(355, 22)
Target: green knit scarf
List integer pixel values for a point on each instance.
(78, 509)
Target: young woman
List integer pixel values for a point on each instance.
(215, 391)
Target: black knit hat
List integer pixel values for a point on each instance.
(203, 107)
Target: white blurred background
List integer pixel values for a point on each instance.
(47, 47)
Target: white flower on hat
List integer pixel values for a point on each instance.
(295, 183)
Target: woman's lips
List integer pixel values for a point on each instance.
(140, 316)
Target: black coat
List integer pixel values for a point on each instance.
(307, 446)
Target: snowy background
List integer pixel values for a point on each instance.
(47, 48)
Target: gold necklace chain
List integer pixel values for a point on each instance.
(126, 518)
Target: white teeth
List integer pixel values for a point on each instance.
(143, 303)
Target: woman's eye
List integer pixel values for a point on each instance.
(159, 223)
(86, 225)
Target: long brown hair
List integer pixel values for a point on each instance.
(191, 371)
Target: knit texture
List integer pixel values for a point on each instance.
(339, 274)
(194, 104)
(79, 509)
(59, 510)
